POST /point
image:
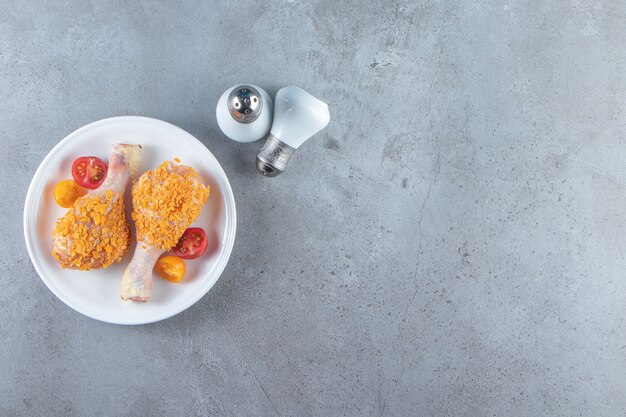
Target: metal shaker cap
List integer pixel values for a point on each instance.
(245, 104)
(273, 157)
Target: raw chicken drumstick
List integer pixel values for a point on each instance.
(165, 203)
(94, 232)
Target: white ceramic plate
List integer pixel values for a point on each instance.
(97, 293)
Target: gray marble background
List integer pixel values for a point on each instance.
(453, 244)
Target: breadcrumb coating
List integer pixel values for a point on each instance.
(165, 202)
(93, 234)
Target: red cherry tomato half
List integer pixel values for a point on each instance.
(191, 244)
(89, 171)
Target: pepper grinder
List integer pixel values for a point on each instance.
(244, 113)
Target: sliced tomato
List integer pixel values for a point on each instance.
(191, 244)
(89, 171)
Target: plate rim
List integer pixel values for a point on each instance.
(229, 206)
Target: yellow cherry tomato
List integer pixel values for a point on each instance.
(171, 268)
(67, 192)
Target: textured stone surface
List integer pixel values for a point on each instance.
(451, 245)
